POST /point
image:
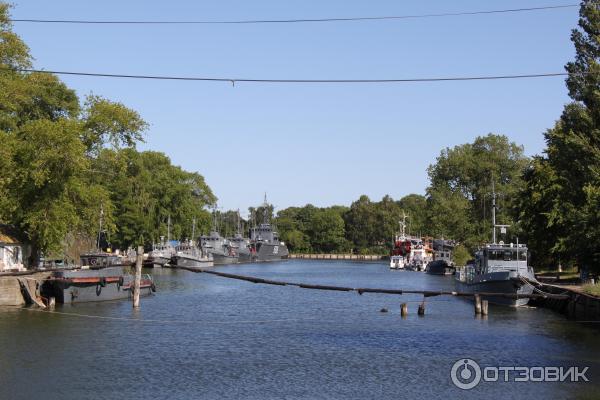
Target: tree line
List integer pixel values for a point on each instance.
(551, 201)
(66, 163)
(457, 205)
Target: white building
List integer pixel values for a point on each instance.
(13, 250)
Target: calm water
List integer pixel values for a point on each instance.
(202, 336)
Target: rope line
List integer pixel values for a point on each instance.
(360, 291)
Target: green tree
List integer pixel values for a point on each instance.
(459, 195)
(326, 231)
(62, 163)
(107, 122)
(360, 223)
(415, 207)
(146, 189)
(14, 53)
(560, 204)
(48, 188)
(460, 255)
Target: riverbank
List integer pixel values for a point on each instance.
(579, 306)
(11, 293)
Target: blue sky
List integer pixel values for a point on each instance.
(319, 144)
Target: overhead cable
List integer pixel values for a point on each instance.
(233, 80)
(288, 21)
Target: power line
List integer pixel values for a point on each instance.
(287, 21)
(318, 81)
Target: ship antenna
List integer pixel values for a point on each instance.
(493, 211)
(100, 230)
(169, 229)
(193, 229)
(265, 210)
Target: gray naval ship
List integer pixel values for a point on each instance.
(189, 255)
(241, 247)
(221, 250)
(265, 244)
(498, 268)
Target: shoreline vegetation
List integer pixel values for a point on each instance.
(67, 161)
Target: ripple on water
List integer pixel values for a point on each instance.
(219, 338)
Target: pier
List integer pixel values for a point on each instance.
(575, 305)
(11, 291)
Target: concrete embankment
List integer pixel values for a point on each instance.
(578, 306)
(10, 288)
(357, 257)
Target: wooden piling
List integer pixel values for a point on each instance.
(138, 277)
(421, 310)
(477, 304)
(484, 307)
(404, 309)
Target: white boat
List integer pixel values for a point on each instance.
(409, 252)
(161, 254)
(399, 256)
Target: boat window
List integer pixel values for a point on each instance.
(505, 255)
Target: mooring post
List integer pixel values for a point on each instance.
(404, 309)
(477, 299)
(421, 310)
(138, 276)
(484, 307)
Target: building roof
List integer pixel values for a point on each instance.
(10, 235)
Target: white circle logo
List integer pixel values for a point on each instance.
(465, 374)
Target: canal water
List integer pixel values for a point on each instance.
(203, 336)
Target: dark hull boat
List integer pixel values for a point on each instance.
(219, 248)
(264, 251)
(440, 267)
(101, 283)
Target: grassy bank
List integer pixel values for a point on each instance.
(590, 289)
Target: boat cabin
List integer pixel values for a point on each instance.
(443, 255)
(264, 233)
(213, 241)
(238, 241)
(502, 258)
(99, 260)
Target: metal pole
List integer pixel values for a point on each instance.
(138, 277)
(493, 213)
(169, 229)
